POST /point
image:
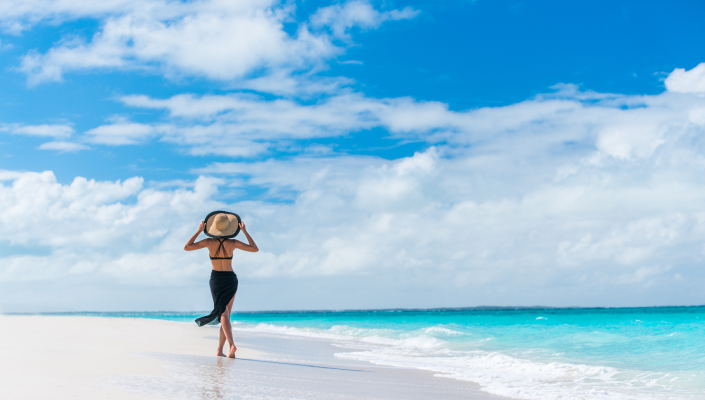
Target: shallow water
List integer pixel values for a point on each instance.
(616, 353)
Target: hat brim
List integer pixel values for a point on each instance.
(213, 232)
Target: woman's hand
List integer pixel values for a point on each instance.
(250, 246)
(190, 245)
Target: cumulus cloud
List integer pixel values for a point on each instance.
(613, 225)
(431, 212)
(225, 41)
(565, 199)
(682, 81)
(120, 228)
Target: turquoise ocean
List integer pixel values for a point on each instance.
(577, 353)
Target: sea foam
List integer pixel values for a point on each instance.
(496, 372)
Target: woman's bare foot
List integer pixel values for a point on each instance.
(233, 349)
(220, 353)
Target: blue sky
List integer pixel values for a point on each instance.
(501, 124)
(465, 54)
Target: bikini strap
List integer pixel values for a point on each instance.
(221, 247)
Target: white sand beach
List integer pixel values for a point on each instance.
(71, 357)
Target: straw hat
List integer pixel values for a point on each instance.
(222, 224)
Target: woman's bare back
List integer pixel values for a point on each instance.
(227, 250)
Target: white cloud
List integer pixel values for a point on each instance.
(6, 175)
(18, 15)
(187, 105)
(26, 14)
(220, 40)
(629, 140)
(63, 147)
(570, 198)
(618, 225)
(622, 127)
(247, 125)
(119, 229)
(342, 17)
(682, 81)
(54, 131)
(121, 133)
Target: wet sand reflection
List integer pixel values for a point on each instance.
(216, 377)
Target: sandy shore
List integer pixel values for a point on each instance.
(61, 357)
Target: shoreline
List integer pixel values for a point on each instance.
(141, 358)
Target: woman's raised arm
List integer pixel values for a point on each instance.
(251, 246)
(190, 245)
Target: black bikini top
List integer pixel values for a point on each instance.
(218, 250)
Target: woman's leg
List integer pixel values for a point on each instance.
(223, 336)
(226, 328)
(221, 343)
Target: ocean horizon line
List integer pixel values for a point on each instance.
(372, 310)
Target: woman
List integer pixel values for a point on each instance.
(223, 280)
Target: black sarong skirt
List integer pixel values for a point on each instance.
(223, 287)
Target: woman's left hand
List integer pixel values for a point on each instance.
(202, 226)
